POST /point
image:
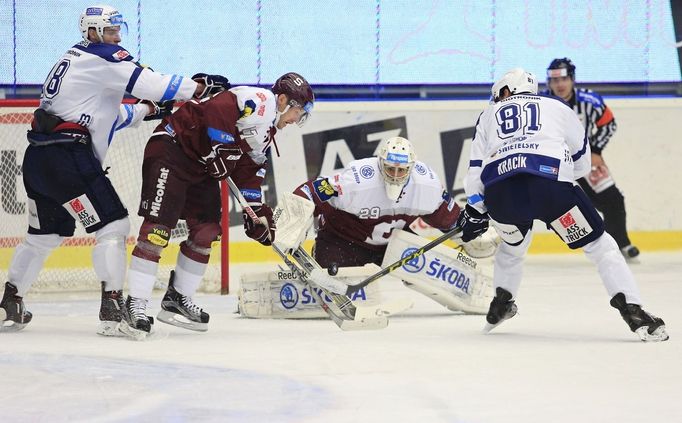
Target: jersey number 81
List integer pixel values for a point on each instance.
(510, 119)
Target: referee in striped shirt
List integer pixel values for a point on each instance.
(600, 125)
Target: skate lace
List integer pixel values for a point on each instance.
(189, 305)
(138, 307)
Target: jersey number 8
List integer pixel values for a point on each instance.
(54, 81)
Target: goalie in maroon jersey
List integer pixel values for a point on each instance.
(358, 208)
(227, 134)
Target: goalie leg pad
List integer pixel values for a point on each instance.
(281, 295)
(449, 277)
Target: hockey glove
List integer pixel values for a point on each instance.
(161, 109)
(263, 232)
(213, 84)
(473, 223)
(225, 159)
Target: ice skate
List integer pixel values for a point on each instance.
(13, 313)
(179, 310)
(135, 323)
(648, 327)
(502, 308)
(110, 312)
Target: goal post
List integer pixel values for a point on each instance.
(69, 267)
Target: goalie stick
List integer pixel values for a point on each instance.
(388, 269)
(341, 311)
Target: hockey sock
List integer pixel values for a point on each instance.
(614, 272)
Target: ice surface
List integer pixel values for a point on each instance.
(566, 357)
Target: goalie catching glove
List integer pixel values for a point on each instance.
(263, 232)
(473, 223)
(213, 84)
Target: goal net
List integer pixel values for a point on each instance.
(69, 267)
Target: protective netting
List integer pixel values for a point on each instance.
(70, 266)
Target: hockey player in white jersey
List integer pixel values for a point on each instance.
(358, 208)
(80, 109)
(526, 154)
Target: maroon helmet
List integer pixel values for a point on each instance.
(297, 90)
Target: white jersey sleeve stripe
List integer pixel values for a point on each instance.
(133, 80)
(579, 154)
(129, 116)
(173, 86)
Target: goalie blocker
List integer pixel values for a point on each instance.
(447, 276)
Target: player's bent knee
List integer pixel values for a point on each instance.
(204, 234)
(153, 238)
(117, 228)
(198, 246)
(43, 242)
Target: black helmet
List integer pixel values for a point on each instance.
(555, 69)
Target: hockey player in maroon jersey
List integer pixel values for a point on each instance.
(228, 134)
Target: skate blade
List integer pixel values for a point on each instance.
(109, 328)
(659, 334)
(132, 333)
(383, 309)
(175, 320)
(11, 326)
(488, 327)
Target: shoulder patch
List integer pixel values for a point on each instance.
(249, 107)
(324, 190)
(420, 169)
(121, 55)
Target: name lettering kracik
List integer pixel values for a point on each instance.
(510, 164)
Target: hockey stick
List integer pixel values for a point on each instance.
(342, 310)
(388, 269)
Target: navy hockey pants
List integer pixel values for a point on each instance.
(522, 198)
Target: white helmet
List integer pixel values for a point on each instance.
(517, 81)
(99, 17)
(396, 160)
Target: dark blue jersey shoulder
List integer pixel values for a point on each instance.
(109, 52)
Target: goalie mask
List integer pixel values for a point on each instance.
(517, 81)
(396, 160)
(299, 93)
(99, 17)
